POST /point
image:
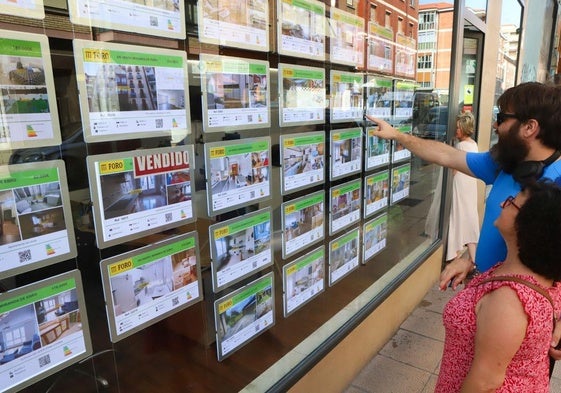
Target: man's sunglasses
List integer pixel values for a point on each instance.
(501, 117)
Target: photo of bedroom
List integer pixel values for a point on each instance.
(142, 285)
(124, 194)
(345, 204)
(184, 268)
(19, 334)
(58, 316)
(9, 225)
(238, 247)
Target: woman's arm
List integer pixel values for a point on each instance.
(501, 328)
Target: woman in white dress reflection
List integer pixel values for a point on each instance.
(463, 231)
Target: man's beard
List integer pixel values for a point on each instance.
(510, 150)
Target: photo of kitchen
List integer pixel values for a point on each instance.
(238, 247)
(142, 285)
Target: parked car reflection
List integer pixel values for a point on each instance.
(72, 150)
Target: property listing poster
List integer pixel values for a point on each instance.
(346, 152)
(28, 110)
(379, 97)
(346, 96)
(303, 160)
(37, 227)
(344, 255)
(377, 150)
(236, 23)
(303, 279)
(381, 45)
(148, 284)
(30, 8)
(163, 18)
(235, 93)
(130, 92)
(140, 192)
(399, 152)
(45, 329)
(238, 173)
(301, 28)
(403, 98)
(346, 34)
(243, 315)
(405, 56)
(240, 247)
(346, 202)
(401, 180)
(376, 192)
(375, 235)
(302, 95)
(302, 222)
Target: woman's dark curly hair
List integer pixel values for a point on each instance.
(538, 229)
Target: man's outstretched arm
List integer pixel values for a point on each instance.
(428, 150)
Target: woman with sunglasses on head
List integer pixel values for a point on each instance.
(498, 329)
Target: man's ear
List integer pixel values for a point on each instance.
(530, 128)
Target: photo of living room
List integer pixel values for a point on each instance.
(376, 235)
(238, 247)
(19, 333)
(141, 285)
(305, 278)
(42, 222)
(58, 316)
(124, 194)
(9, 228)
(239, 170)
(184, 268)
(344, 204)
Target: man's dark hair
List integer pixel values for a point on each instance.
(538, 229)
(534, 100)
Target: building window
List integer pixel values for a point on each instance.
(373, 12)
(424, 62)
(426, 40)
(427, 20)
(388, 20)
(14, 337)
(400, 25)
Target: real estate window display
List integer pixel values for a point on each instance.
(197, 338)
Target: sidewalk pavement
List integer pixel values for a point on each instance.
(410, 361)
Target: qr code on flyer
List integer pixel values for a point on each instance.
(24, 256)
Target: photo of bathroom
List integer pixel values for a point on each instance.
(142, 285)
